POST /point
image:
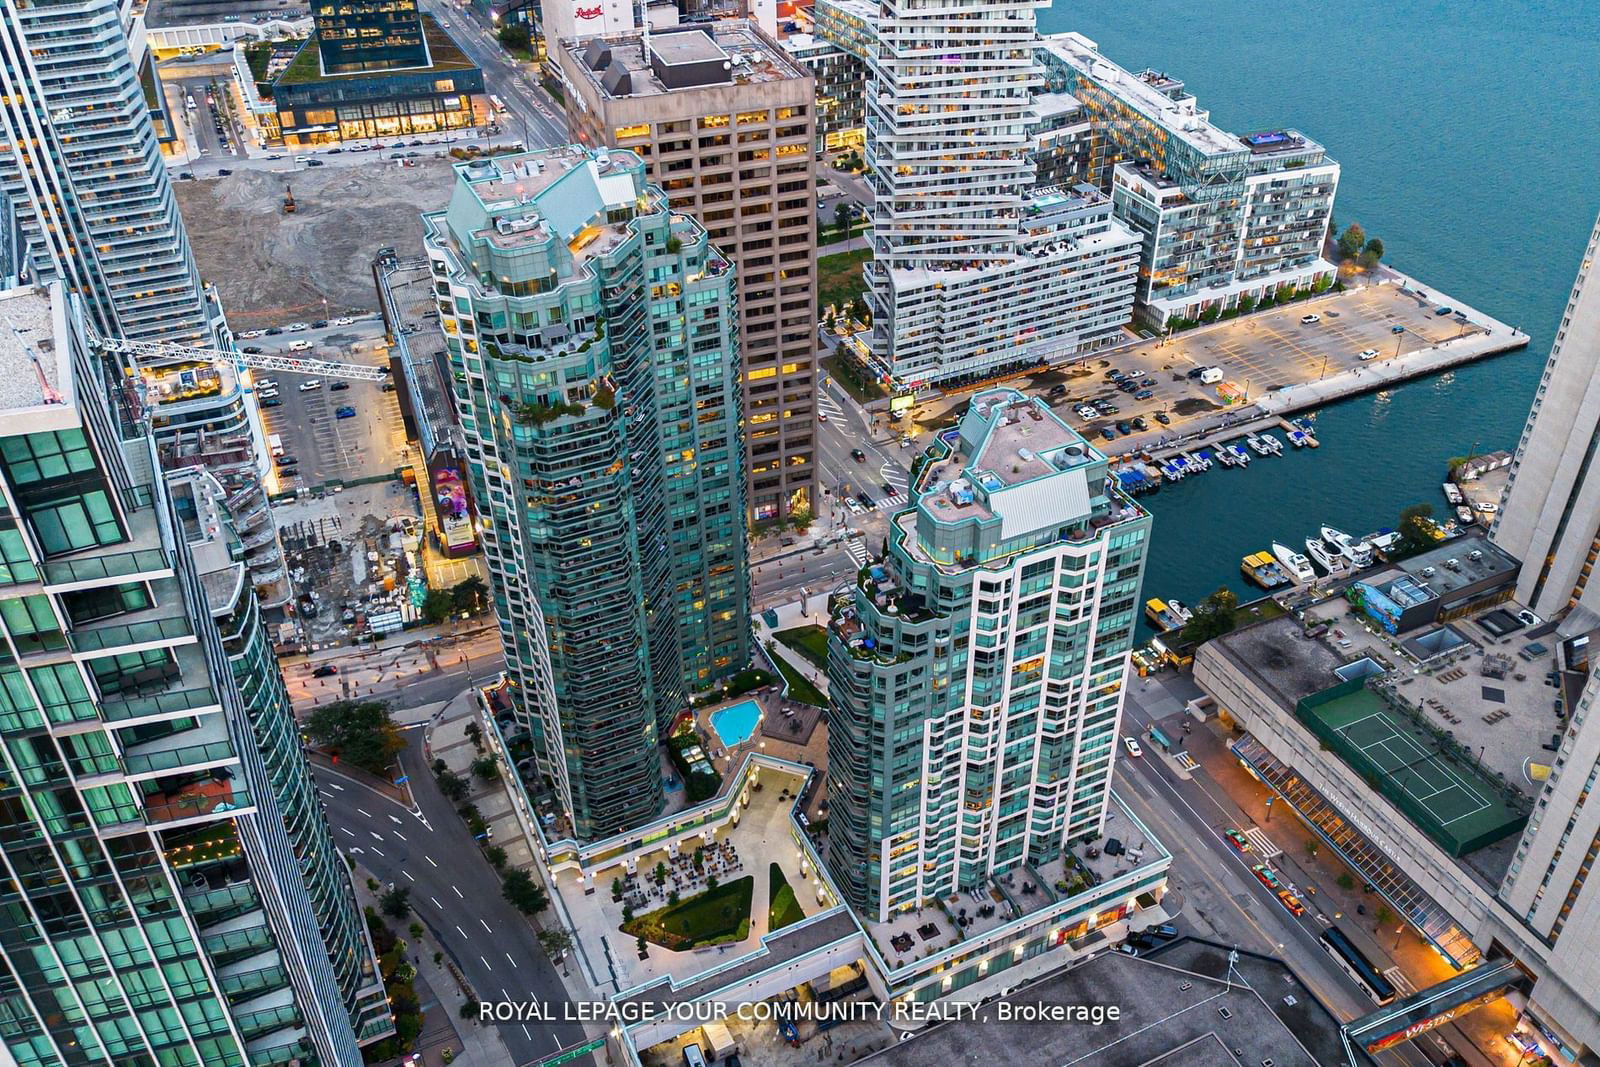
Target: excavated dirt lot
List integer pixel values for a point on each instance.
(273, 268)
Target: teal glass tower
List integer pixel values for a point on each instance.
(976, 675)
(592, 340)
(168, 893)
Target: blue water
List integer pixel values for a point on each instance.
(1468, 143)
(736, 722)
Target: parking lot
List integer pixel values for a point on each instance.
(1255, 354)
(329, 448)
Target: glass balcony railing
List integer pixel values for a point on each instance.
(117, 565)
(174, 758)
(138, 633)
(182, 700)
(209, 797)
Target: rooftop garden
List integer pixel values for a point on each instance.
(444, 53)
(720, 915)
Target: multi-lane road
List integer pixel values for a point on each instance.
(533, 114)
(454, 891)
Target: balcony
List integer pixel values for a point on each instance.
(200, 797)
(63, 575)
(166, 631)
(153, 758)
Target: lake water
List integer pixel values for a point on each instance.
(1467, 141)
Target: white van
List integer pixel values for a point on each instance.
(1211, 375)
(275, 443)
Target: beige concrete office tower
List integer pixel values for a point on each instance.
(1550, 515)
(725, 122)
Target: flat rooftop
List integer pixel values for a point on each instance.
(163, 13)
(619, 67)
(1166, 1014)
(32, 372)
(1458, 563)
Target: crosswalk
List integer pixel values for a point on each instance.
(894, 501)
(829, 406)
(856, 550)
(1262, 843)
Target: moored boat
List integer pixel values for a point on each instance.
(1295, 563)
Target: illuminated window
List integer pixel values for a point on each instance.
(638, 129)
(764, 372)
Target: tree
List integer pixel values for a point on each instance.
(711, 881)
(842, 216)
(616, 889)
(486, 768)
(474, 734)
(395, 902)
(1416, 527)
(515, 36)
(1247, 303)
(524, 894)
(555, 942)
(1213, 616)
(660, 874)
(453, 786)
(470, 596)
(1374, 248)
(496, 856)
(358, 732)
(437, 606)
(416, 929)
(1351, 240)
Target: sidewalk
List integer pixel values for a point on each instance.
(789, 616)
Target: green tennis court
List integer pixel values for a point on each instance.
(1452, 800)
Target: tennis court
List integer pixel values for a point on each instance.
(1452, 800)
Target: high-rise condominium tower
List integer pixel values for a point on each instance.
(169, 889)
(974, 269)
(592, 335)
(1549, 517)
(977, 685)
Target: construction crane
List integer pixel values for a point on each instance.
(161, 351)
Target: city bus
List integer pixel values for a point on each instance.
(498, 104)
(1353, 963)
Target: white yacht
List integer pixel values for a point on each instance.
(1295, 563)
(1328, 557)
(1359, 553)
(1183, 614)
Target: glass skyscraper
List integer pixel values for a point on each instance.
(592, 339)
(168, 889)
(366, 35)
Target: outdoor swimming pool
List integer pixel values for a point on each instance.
(734, 724)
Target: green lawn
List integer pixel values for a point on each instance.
(845, 373)
(839, 278)
(810, 641)
(800, 687)
(784, 909)
(714, 917)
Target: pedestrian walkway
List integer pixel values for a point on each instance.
(857, 551)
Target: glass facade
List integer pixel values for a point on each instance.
(362, 35)
(155, 894)
(592, 339)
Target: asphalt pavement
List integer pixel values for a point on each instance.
(534, 116)
(454, 892)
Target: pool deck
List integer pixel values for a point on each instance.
(726, 757)
(760, 714)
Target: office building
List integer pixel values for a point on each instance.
(841, 81)
(976, 675)
(342, 89)
(162, 903)
(354, 36)
(965, 244)
(1223, 218)
(726, 123)
(593, 337)
(1549, 517)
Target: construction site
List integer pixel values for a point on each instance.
(273, 266)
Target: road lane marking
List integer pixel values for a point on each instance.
(485, 924)
(365, 812)
(408, 876)
(337, 786)
(508, 956)
(486, 963)
(344, 830)
(379, 851)
(400, 835)
(457, 892)
(460, 931)
(375, 836)
(396, 821)
(439, 905)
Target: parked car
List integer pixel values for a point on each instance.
(1147, 381)
(325, 671)
(1195, 372)
(248, 334)
(315, 163)
(388, 387)
(297, 327)
(1132, 745)
(1124, 427)
(1442, 311)
(1084, 411)
(1163, 418)
(319, 324)
(1366, 354)
(285, 461)
(339, 387)
(273, 331)
(1144, 394)
(345, 412)
(1166, 931)
(1310, 320)
(344, 320)
(1138, 423)
(1108, 409)
(1237, 839)
(268, 394)
(272, 401)
(251, 350)
(1058, 389)
(1109, 434)
(186, 175)
(1397, 329)
(301, 345)
(223, 172)
(310, 384)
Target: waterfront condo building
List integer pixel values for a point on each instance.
(592, 331)
(974, 270)
(1549, 517)
(725, 122)
(170, 891)
(976, 673)
(1222, 218)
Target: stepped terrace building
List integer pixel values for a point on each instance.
(591, 331)
(976, 673)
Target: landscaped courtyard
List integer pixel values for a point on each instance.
(784, 908)
(717, 916)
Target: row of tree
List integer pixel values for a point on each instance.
(1355, 246)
